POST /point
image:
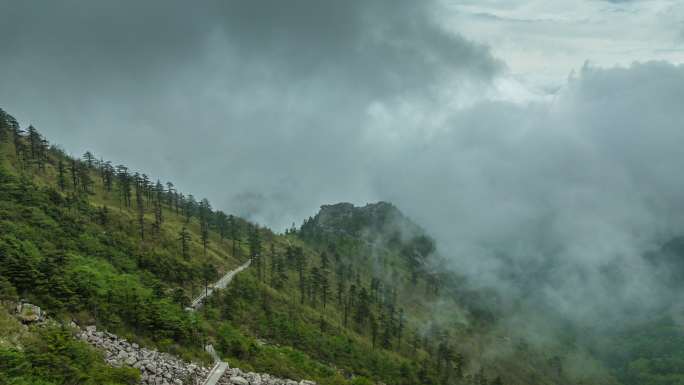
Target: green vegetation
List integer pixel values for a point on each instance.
(51, 355)
(354, 296)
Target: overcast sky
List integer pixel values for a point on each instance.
(533, 127)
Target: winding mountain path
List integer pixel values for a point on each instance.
(220, 284)
(219, 367)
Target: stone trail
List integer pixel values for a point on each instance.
(220, 284)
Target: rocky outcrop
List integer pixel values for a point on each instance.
(374, 220)
(28, 313)
(156, 368)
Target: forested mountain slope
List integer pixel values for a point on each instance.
(356, 295)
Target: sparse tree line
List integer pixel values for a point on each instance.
(134, 190)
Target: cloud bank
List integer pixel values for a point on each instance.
(273, 108)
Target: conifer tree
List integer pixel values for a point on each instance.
(124, 184)
(274, 266)
(190, 206)
(85, 181)
(88, 159)
(158, 218)
(281, 272)
(340, 291)
(324, 287)
(4, 128)
(386, 325)
(74, 174)
(144, 183)
(34, 140)
(400, 326)
(209, 273)
(255, 251)
(314, 284)
(221, 224)
(140, 206)
(362, 307)
(103, 215)
(234, 235)
(107, 176)
(44, 146)
(17, 134)
(184, 238)
(374, 330)
(300, 264)
(61, 179)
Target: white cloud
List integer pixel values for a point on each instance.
(543, 41)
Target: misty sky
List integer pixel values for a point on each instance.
(529, 128)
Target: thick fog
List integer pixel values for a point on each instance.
(272, 108)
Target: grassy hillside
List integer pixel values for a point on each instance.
(356, 295)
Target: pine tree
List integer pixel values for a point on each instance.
(89, 159)
(209, 273)
(34, 139)
(74, 175)
(144, 183)
(184, 238)
(374, 330)
(204, 212)
(374, 289)
(103, 215)
(314, 284)
(274, 266)
(158, 213)
(221, 224)
(4, 127)
(325, 262)
(61, 180)
(400, 326)
(107, 176)
(324, 287)
(282, 272)
(140, 206)
(17, 134)
(125, 184)
(300, 264)
(190, 207)
(386, 325)
(362, 307)
(85, 180)
(340, 291)
(234, 235)
(44, 146)
(255, 251)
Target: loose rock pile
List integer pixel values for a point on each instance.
(164, 369)
(156, 368)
